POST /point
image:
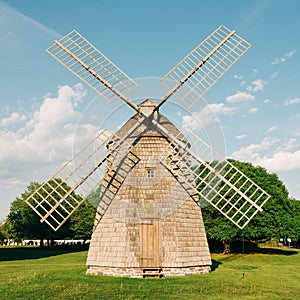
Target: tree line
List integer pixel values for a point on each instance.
(23, 223)
(280, 219)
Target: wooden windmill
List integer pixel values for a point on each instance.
(151, 176)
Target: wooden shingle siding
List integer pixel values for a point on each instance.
(152, 222)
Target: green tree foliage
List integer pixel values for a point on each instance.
(82, 221)
(48, 197)
(23, 223)
(294, 229)
(3, 234)
(279, 219)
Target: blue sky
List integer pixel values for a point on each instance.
(46, 113)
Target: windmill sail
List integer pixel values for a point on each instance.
(214, 179)
(193, 76)
(93, 67)
(114, 176)
(56, 199)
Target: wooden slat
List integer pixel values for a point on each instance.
(194, 75)
(88, 63)
(216, 181)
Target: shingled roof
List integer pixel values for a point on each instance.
(147, 127)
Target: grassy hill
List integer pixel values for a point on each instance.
(56, 274)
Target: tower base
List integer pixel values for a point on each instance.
(147, 272)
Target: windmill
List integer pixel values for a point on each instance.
(151, 177)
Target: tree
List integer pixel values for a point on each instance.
(276, 221)
(294, 223)
(3, 234)
(23, 223)
(82, 220)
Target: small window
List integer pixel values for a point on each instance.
(150, 173)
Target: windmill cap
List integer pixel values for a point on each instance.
(147, 107)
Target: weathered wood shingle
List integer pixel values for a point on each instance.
(152, 222)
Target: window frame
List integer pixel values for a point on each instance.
(150, 173)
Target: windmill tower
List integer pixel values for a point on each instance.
(151, 176)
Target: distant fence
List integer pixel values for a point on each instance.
(31, 242)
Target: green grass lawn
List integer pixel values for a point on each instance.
(55, 274)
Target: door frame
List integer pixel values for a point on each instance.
(149, 243)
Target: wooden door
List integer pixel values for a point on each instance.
(149, 245)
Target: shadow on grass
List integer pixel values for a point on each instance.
(237, 253)
(237, 247)
(215, 264)
(21, 253)
(277, 251)
(254, 249)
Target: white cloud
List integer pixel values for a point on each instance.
(291, 101)
(253, 110)
(15, 117)
(239, 97)
(274, 75)
(206, 116)
(220, 108)
(291, 144)
(249, 88)
(267, 101)
(46, 140)
(239, 77)
(252, 152)
(243, 83)
(284, 58)
(240, 137)
(258, 85)
(272, 129)
(56, 112)
(281, 160)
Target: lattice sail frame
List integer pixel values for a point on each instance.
(114, 176)
(195, 74)
(214, 179)
(57, 198)
(90, 65)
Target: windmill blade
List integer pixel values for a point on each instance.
(115, 173)
(214, 179)
(93, 67)
(192, 77)
(56, 199)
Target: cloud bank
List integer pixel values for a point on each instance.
(44, 139)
